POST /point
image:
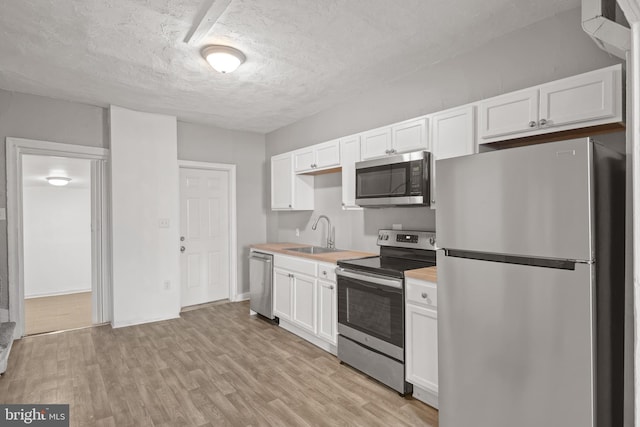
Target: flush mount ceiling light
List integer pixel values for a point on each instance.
(58, 181)
(223, 59)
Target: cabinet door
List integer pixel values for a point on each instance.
(452, 135)
(304, 302)
(303, 160)
(350, 151)
(422, 347)
(586, 97)
(327, 315)
(281, 182)
(508, 114)
(375, 143)
(282, 293)
(409, 136)
(327, 154)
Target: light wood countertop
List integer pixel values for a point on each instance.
(331, 257)
(430, 274)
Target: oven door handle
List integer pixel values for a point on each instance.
(370, 278)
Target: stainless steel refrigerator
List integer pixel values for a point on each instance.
(531, 286)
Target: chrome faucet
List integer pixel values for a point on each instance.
(330, 242)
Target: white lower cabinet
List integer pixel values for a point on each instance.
(421, 329)
(282, 293)
(304, 302)
(305, 299)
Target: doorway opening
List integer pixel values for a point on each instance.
(56, 209)
(58, 237)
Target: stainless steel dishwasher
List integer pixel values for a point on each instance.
(261, 283)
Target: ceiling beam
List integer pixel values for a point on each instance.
(206, 19)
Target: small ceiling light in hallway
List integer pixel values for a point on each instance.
(58, 181)
(223, 59)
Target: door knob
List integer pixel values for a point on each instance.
(182, 249)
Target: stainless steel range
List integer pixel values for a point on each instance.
(371, 305)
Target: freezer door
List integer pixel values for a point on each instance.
(532, 201)
(515, 345)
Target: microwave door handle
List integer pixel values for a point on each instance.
(392, 283)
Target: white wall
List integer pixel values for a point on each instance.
(57, 240)
(545, 51)
(144, 190)
(246, 150)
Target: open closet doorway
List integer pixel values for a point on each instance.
(58, 236)
(56, 222)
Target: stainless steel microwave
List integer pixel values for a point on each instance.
(399, 180)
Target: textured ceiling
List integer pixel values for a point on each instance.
(303, 56)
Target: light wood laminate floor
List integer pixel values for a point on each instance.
(57, 313)
(215, 366)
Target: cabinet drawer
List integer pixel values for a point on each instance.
(327, 271)
(295, 264)
(423, 293)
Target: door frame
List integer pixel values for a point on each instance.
(102, 307)
(230, 169)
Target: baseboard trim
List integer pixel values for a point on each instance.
(318, 342)
(132, 322)
(242, 297)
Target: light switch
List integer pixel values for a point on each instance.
(164, 223)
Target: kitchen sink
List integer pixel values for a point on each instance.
(314, 250)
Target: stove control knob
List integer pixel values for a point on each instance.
(386, 237)
(380, 237)
(432, 241)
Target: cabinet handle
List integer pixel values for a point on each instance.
(289, 205)
(393, 150)
(291, 275)
(387, 151)
(324, 273)
(425, 295)
(532, 124)
(331, 287)
(543, 122)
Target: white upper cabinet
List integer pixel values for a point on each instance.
(376, 143)
(508, 114)
(452, 135)
(317, 157)
(403, 137)
(281, 182)
(350, 153)
(289, 191)
(303, 160)
(327, 155)
(588, 96)
(410, 135)
(588, 99)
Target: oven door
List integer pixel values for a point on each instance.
(371, 311)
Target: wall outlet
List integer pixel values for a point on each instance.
(164, 223)
(297, 232)
(167, 285)
(396, 226)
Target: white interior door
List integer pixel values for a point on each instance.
(204, 231)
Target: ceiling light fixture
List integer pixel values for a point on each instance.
(223, 59)
(58, 181)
